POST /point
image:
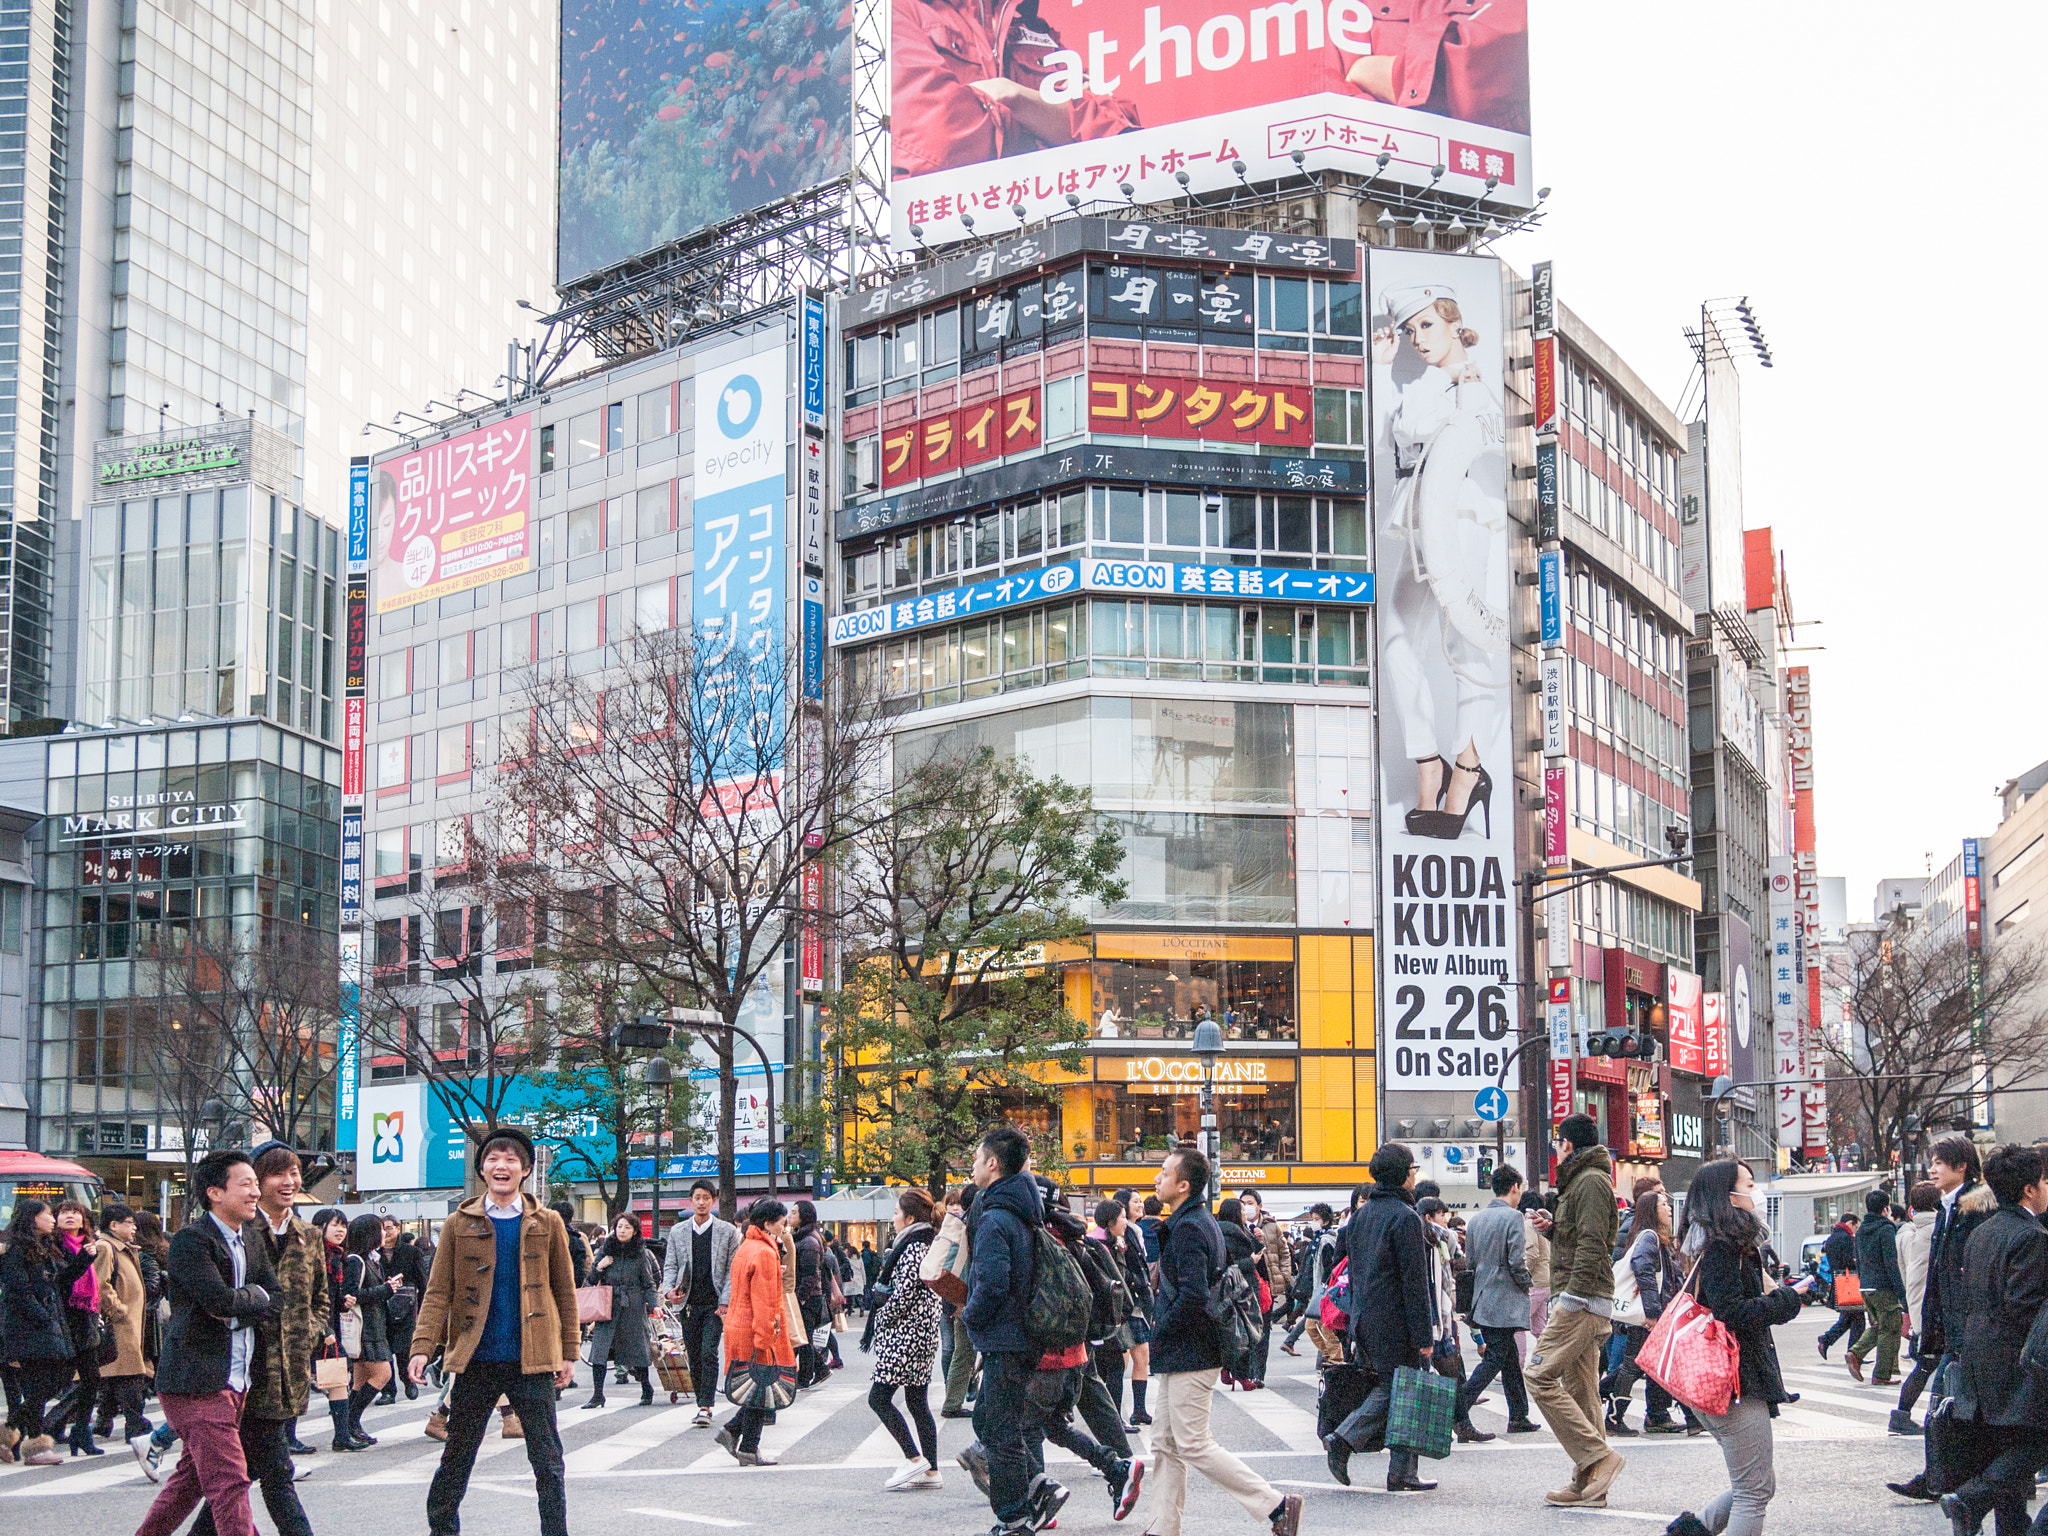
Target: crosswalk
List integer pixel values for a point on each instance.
(831, 1430)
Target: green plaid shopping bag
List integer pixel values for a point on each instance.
(1425, 1407)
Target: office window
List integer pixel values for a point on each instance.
(451, 749)
(615, 426)
(656, 414)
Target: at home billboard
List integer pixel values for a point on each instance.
(993, 111)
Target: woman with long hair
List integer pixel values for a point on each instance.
(36, 1277)
(1446, 1257)
(333, 1229)
(1724, 1243)
(1653, 1260)
(364, 1291)
(756, 1323)
(1243, 1250)
(944, 1268)
(1443, 616)
(903, 1331)
(625, 1264)
(76, 1234)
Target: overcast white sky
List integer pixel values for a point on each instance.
(1870, 177)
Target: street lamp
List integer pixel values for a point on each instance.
(658, 1074)
(1208, 1043)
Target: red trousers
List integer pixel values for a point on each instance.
(212, 1467)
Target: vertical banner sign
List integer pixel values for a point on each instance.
(811, 504)
(1556, 815)
(1713, 1035)
(1448, 950)
(736, 584)
(356, 670)
(1682, 998)
(1558, 1018)
(1806, 888)
(346, 1052)
(1553, 707)
(358, 513)
(351, 865)
(1560, 1089)
(813, 617)
(811, 971)
(1788, 984)
(352, 748)
(1542, 299)
(814, 363)
(1546, 493)
(1973, 946)
(1557, 934)
(1550, 579)
(1546, 383)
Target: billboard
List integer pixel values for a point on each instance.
(1683, 1020)
(453, 515)
(676, 114)
(1447, 789)
(737, 597)
(1083, 100)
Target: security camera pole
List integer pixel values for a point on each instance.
(1537, 883)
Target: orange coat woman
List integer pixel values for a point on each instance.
(756, 1323)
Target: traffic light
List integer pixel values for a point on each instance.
(1486, 1167)
(646, 1033)
(1622, 1042)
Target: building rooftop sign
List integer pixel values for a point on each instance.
(194, 458)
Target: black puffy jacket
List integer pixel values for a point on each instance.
(32, 1295)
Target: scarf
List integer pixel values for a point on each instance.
(85, 1290)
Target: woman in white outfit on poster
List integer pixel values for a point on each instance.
(1441, 617)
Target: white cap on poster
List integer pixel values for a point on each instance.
(1403, 304)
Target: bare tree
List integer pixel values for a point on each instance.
(253, 1010)
(451, 990)
(1933, 1029)
(686, 785)
(949, 910)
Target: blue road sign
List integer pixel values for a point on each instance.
(1490, 1104)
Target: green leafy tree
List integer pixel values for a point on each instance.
(947, 911)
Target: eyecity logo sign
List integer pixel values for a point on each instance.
(744, 392)
(388, 1137)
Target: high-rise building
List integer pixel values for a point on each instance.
(245, 271)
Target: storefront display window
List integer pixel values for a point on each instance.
(1157, 1102)
(1163, 997)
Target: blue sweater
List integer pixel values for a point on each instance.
(501, 1339)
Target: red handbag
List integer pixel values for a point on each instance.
(1691, 1355)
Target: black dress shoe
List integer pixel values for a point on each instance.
(1469, 1434)
(1915, 1489)
(1337, 1451)
(297, 1448)
(1409, 1485)
(1522, 1427)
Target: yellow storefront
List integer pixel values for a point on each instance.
(1295, 1088)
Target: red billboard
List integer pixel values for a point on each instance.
(453, 515)
(1682, 1012)
(1009, 112)
(960, 439)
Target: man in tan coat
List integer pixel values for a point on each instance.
(501, 1306)
(125, 1383)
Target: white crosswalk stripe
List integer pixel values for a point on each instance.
(641, 1435)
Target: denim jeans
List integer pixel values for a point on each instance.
(475, 1394)
(1503, 1359)
(1003, 1426)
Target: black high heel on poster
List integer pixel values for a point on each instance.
(1450, 825)
(1418, 818)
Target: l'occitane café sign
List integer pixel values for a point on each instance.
(1183, 1074)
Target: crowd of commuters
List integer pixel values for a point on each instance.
(1034, 1317)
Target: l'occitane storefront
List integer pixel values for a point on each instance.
(1295, 1091)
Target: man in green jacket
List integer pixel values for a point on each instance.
(1564, 1368)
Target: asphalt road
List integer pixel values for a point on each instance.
(646, 1468)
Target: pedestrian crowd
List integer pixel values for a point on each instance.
(1034, 1317)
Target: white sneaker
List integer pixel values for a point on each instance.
(930, 1479)
(906, 1474)
(301, 1470)
(703, 1419)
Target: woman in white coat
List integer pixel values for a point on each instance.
(1443, 612)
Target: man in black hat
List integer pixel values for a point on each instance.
(501, 1306)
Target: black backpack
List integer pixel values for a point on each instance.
(1240, 1321)
(1111, 1303)
(1056, 1316)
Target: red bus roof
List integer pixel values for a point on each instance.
(36, 1165)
